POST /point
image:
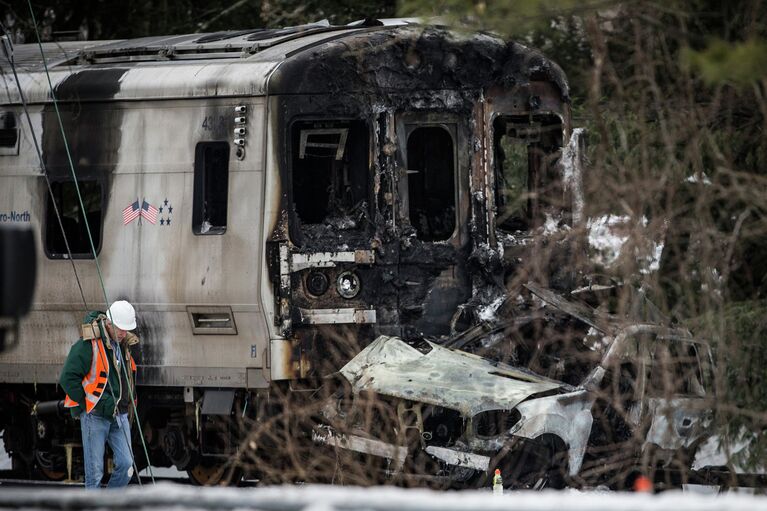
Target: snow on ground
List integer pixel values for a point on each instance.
(329, 498)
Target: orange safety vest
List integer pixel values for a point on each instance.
(96, 380)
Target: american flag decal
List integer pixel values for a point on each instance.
(131, 213)
(149, 212)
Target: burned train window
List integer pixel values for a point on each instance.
(527, 183)
(330, 173)
(9, 134)
(211, 187)
(431, 182)
(72, 219)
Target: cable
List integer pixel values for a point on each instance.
(87, 228)
(69, 153)
(135, 409)
(8, 48)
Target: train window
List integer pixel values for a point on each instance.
(75, 231)
(211, 187)
(526, 175)
(431, 182)
(330, 173)
(9, 134)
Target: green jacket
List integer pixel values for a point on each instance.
(77, 365)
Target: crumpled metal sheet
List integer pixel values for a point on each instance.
(442, 377)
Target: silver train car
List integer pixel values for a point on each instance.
(271, 201)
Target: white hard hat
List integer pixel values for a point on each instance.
(122, 315)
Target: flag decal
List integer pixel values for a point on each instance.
(139, 209)
(131, 212)
(149, 212)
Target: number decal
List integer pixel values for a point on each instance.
(210, 123)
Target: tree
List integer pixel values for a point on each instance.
(100, 19)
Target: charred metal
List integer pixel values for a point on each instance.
(387, 147)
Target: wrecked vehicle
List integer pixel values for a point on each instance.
(645, 405)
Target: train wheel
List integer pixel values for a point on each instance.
(214, 472)
(51, 466)
(53, 475)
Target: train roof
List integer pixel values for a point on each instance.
(318, 58)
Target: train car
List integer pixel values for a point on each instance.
(270, 201)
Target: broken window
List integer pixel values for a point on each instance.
(675, 370)
(431, 182)
(527, 177)
(9, 134)
(211, 187)
(330, 173)
(72, 219)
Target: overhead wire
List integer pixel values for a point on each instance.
(90, 238)
(8, 49)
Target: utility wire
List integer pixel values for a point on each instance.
(8, 49)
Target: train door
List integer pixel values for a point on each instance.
(433, 168)
(323, 256)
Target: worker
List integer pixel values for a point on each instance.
(98, 377)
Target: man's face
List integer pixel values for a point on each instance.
(117, 333)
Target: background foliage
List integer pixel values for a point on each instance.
(108, 19)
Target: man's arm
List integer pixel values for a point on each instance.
(75, 368)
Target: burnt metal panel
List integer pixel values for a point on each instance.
(412, 58)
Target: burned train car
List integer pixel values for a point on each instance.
(271, 201)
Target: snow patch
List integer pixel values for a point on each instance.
(572, 172)
(596, 340)
(550, 225)
(311, 497)
(488, 312)
(609, 236)
(5, 460)
(699, 178)
(605, 237)
(713, 453)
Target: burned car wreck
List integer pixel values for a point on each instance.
(642, 404)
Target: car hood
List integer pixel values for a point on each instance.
(429, 373)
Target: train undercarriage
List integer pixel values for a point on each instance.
(196, 432)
